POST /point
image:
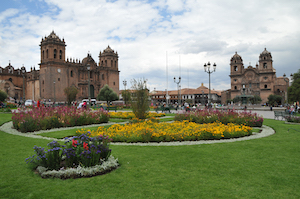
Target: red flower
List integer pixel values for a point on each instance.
(85, 146)
(74, 142)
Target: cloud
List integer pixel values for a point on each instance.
(145, 34)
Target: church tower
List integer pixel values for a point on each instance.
(52, 49)
(53, 70)
(236, 71)
(108, 62)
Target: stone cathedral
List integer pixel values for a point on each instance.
(260, 80)
(57, 73)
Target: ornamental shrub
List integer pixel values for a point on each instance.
(80, 150)
(43, 118)
(225, 117)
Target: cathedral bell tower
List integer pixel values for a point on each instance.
(52, 49)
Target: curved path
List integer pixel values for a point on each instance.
(266, 131)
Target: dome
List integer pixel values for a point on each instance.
(265, 55)
(88, 59)
(236, 57)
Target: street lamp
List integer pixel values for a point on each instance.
(178, 86)
(209, 71)
(125, 84)
(88, 68)
(23, 73)
(54, 94)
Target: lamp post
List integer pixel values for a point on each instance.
(178, 86)
(287, 86)
(23, 73)
(54, 94)
(89, 68)
(209, 71)
(125, 84)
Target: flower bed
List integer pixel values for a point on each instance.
(130, 115)
(293, 119)
(149, 131)
(225, 117)
(80, 156)
(43, 118)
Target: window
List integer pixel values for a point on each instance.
(265, 78)
(235, 87)
(235, 80)
(43, 82)
(111, 63)
(114, 83)
(116, 64)
(10, 79)
(102, 76)
(43, 55)
(265, 65)
(54, 54)
(47, 53)
(71, 74)
(60, 54)
(235, 68)
(250, 85)
(58, 79)
(266, 86)
(105, 62)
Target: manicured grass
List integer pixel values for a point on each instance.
(260, 168)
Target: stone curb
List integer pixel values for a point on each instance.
(266, 131)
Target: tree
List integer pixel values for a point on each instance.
(255, 99)
(107, 94)
(294, 89)
(3, 96)
(71, 93)
(274, 100)
(140, 98)
(126, 96)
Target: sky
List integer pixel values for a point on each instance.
(157, 40)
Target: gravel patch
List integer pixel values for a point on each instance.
(266, 131)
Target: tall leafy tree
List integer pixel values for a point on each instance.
(140, 98)
(274, 99)
(3, 96)
(71, 93)
(107, 94)
(294, 89)
(126, 96)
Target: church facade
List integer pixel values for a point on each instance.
(57, 73)
(260, 80)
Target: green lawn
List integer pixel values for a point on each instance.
(260, 168)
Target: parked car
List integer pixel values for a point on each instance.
(29, 102)
(93, 101)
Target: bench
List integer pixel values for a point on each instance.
(163, 109)
(113, 108)
(282, 114)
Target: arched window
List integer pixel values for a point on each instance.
(265, 65)
(71, 74)
(60, 54)
(54, 54)
(47, 53)
(235, 87)
(235, 68)
(266, 86)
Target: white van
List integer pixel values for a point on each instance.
(93, 101)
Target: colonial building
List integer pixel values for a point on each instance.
(190, 95)
(57, 73)
(260, 80)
